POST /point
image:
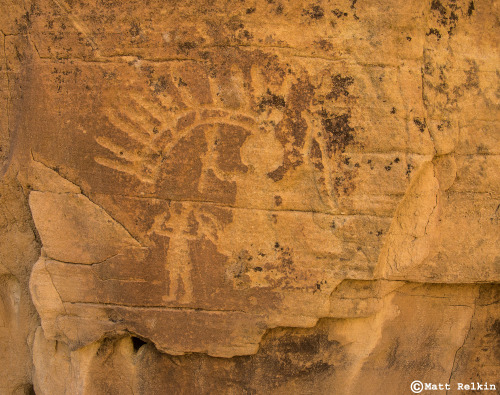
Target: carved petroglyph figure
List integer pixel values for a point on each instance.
(177, 263)
(182, 225)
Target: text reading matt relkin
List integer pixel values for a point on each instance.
(417, 387)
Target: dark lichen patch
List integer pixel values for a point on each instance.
(393, 110)
(471, 9)
(186, 46)
(250, 10)
(338, 13)
(278, 200)
(278, 174)
(340, 86)
(338, 132)
(446, 16)
(453, 21)
(421, 124)
(435, 32)
(436, 5)
(314, 12)
(270, 100)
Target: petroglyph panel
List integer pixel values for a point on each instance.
(199, 173)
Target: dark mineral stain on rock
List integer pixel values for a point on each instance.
(338, 13)
(435, 32)
(340, 86)
(436, 5)
(314, 12)
(338, 132)
(421, 124)
(271, 100)
(471, 8)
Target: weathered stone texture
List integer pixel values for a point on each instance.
(248, 196)
(18, 319)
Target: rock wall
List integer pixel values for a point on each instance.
(249, 196)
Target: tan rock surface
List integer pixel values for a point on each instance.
(249, 196)
(18, 319)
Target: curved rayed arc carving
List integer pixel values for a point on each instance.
(307, 114)
(149, 126)
(143, 160)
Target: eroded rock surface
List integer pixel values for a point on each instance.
(252, 196)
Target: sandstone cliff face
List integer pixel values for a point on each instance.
(248, 196)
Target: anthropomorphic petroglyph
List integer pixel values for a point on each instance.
(183, 224)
